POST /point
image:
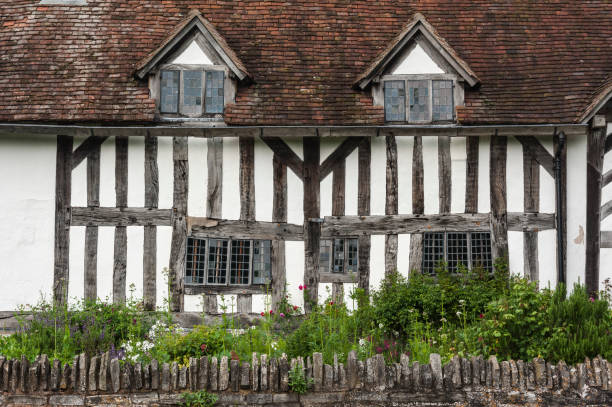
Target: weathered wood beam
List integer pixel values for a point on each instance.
(606, 240)
(120, 246)
(91, 232)
(89, 146)
(538, 152)
(595, 156)
(497, 179)
(211, 291)
(338, 279)
(471, 178)
(215, 178)
(340, 154)
(149, 260)
(418, 204)
(560, 147)
(531, 201)
(530, 222)
(279, 214)
(606, 178)
(338, 209)
(608, 146)
(63, 177)
(178, 248)
(103, 216)
(606, 210)
(363, 209)
(239, 229)
(391, 203)
(444, 174)
(312, 230)
(286, 154)
(247, 202)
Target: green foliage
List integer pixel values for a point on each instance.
(199, 399)
(298, 382)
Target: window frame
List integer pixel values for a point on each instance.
(469, 251)
(228, 266)
(329, 275)
(406, 78)
(180, 108)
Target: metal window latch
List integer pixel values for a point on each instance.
(316, 220)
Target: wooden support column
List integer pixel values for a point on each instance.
(595, 156)
(63, 177)
(363, 209)
(338, 209)
(418, 204)
(497, 176)
(471, 178)
(391, 205)
(179, 223)
(247, 202)
(120, 249)
(561, 152)
(279, 214)
(312, 229)
(531, 183)
(91, 232)
(444, 174)
(149, 260)
(214, 161)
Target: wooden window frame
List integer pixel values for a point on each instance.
(328, 276)
(468, 234)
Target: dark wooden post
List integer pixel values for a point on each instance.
(418, 203)
(560, 145)
(363, 209)
(63, 177)
(444, 174)
(279, 214)
(247, 202)
(179, 223)
(91, 232)
(531, 201)
(391, 203)
(471, 178)
(338, 208)
(312, 228)
(150, 232)
(214, 160)
(497, 175)
(120, 249)
(595, 155)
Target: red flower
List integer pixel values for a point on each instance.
(271, 312)
(295, 307)
(481, 316)
(301, 287)
(480, 339)
(203, 347)
(379, 349)
(305, 288)
(331, 303)
(262, 313)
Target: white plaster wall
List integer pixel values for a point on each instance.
(515, 203)
(605, 260)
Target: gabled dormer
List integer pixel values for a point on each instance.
(418, 78)
(193, 74)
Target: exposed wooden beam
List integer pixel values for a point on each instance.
(279, 214)
(247, 202)
(418, 204)
(471, 178)
(606, 179)
(530, 222)
(120, 246)
(532, 146)
(149, 260)
(214, 161)
(312, 230)
(606, 210)
(340, 153)
(178, 247)
(286, 154)
(608, 145)
(88, 146)
(338, 208)
(444, 174)
(560, 147)
(497, 179)
(531, 201)
(363, 209)
(105, 216)
(391, 203)
(63, 177)
(91, 232)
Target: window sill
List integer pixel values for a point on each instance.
(197, 289)
(338, 278)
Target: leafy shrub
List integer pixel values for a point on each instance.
(298, 383)
(199, 399)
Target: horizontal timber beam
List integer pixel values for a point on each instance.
(95, 216)
(206, 227)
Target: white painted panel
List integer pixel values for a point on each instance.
(404, 174)
(328, 146)
(458, 173)
(76, 282)
(378, 176)
(377, 261)
(605, 259)
(260, 303)
(294, 262)
(576, 210)
(107, 173)
(484, 187)
(264, 182)
(193, 303)
(193, 55)
(325, 292)
(134, 267)
(515, 253)
(351, 183)
(79, 180)
(295, 189)
(547, 258)
(326, 195)
(431, 175)
(231, 179)
(403, 255)
(547, 182)
(106, 243)
(164, 239)
(515, 190)
(136, 158)
(166, 171)
(417, 62)
(198, 176)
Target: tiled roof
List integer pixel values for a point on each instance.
(537, 62)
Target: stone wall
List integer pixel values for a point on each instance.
(103, 380)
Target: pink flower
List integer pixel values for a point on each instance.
(379, 349)
(331, 303)
(271, 312)
(301, 287)
(592, 299)
(305, 288)
(282, 315)
(262, 314)
(481, 316)
(295, 307)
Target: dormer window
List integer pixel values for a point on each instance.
(419, 100)
(182, 92)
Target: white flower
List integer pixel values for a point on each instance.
(442, 319)
(380, 325)
(362, 342)
(274, 345)
(461, 301)
(458, 313)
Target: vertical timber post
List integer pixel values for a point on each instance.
(444, 174)
(497, 179)
(63, 177)
(279, 214)
(312, 228)
(595, 156)
(120, 248)
(178, 246)
(560, 166)
(363, 209)
(247, 202)
(214, 160)
(338, 209)
(471, 178)
(150, 232)
(418, 203)
(391, 203)
(531, 185)
(91, 232)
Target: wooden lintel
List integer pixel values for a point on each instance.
(205, 227)
(193, 289)
(340, 153)
(336, 278)
(104, 216)
(91, 145)
(285, 154)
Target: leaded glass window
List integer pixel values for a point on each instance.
(196, 261)
(433, 251)
(481, 251)
(419, 99)
(325, 255)
(352, 255)
(169, 91)
(214, 91)
(338, 255)
(395, 101)
(217, 261)
(192, 92)
(241, 260)
(468, 249)
(262, 269)
(456, 251)
(442, 100)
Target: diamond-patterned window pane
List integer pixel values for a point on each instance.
(196, 261)
(325, 253)
(217, 261)
(352, 255)
(457, 251)
(395, 101)
(442, 100)
(262, 270)
(419, 99)
(433, 251)
(481, 251)
(240, 262)
(169, 91)
(214, 91)
(192, 92)
(338, 256)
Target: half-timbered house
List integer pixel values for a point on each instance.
(253, 147)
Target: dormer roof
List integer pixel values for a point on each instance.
(418, 26)
(193, 21)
